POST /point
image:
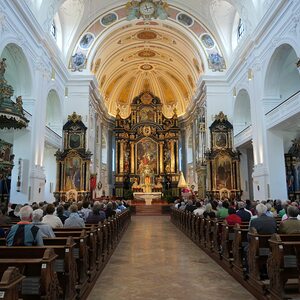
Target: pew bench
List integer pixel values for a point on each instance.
(10, 283)
(239, 248)
(284, 264)
(38, 265)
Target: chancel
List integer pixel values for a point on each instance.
(127, 126)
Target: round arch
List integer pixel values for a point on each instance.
(242, 111)
(54, 112)
(18, 72)
(282, 79)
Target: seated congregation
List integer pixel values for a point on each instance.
(57, 251)
(258, 243)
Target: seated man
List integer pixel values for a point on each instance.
(24, 233)
(45, 229)
(74, 219)
(263, 224)
(242, 213)
(292, 224)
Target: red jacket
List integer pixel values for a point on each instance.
(233, 219)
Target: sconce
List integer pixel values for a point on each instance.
(250, 74)
(53, 74)
(234, 92)
(66, 92)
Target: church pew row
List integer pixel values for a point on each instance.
(267, 265)
(80, 256)
(38, 265)
(10, 282)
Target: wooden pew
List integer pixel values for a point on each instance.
(65, 265)
(283, 263)
(202, 232)
(38, 265)
(239, 247)
(217, 232)
(227, 237)
(258, 252)
(80, 254)
(10, 283)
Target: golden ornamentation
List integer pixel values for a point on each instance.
(102, 81)
(146, 67)
(146, 130)
(146, 98)
(147, 35)
(74, 117)
(146, 53)
(221, 117)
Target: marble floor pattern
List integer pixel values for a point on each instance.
(156, 261)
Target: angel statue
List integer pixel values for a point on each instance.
(161, 10)
(133, 10)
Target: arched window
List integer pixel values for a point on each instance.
(53, 29)
(240, 29)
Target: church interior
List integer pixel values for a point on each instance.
(148, 141)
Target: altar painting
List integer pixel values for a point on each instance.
(223, 173)
(147, 156)
(73, 173)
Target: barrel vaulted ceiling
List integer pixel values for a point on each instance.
(165, 57)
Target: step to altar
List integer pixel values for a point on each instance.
(151, 210)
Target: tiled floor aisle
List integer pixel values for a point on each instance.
(154, 260)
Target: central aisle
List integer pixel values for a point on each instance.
(154, 260)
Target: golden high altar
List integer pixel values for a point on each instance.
(146, 149)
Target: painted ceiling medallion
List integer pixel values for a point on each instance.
(146, 53)
(147, 35)
(147, 9)
(146, 67)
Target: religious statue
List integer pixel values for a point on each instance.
(19, 103)
(72, 195)
(133, 10)
(2, 67)
(161, 10)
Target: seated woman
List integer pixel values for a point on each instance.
(97, 215)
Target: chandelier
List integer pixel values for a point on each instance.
(11, 113)
(147, 10)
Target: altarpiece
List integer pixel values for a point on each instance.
(73, 163)
(147, 149)
(223, 162)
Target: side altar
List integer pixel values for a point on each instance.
(146, 149)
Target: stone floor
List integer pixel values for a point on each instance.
(156, 261)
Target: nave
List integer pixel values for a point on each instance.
(154, 260)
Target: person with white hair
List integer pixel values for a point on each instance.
(242, 212)
(24, 233)
(263, 224)
(45, 229)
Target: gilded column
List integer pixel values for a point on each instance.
(132, 166)
(172, 148)
(118, 157)
(161, 157)
(176, 157)
(122, 157)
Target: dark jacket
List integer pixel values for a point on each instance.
(95, 219)
(264, 224)
(244, 215)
